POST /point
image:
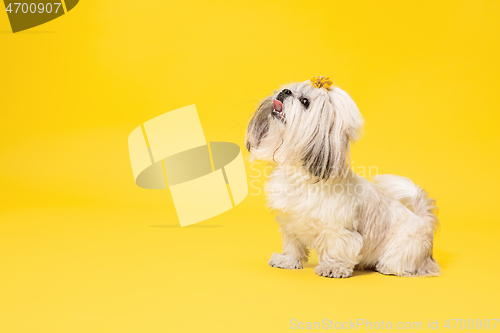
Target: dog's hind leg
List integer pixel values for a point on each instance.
(294, 252)
(409, 251)
(429, 267)
(338, 253)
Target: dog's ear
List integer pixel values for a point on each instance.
(259, 125)
(326, 156)
(318, 154)
(318, 161)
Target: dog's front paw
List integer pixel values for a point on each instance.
(336, 270)
(286, 262)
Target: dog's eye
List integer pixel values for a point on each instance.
(305, 102)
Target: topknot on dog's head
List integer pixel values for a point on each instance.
(321, 82)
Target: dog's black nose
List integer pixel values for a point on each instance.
(284, 94)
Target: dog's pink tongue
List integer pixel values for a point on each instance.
(278, 106)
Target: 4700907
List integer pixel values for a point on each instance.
(23, 7)
(471, 323)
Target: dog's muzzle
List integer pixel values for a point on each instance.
(278, 104)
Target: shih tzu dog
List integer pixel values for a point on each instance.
(320, 203)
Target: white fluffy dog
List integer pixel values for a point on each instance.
(320, 203)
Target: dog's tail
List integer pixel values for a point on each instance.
(410, 195)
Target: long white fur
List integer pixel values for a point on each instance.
(351, 222)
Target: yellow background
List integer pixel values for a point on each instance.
(83, 249)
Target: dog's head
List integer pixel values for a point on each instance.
(306, 125)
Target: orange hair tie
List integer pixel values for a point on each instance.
(321, 82)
